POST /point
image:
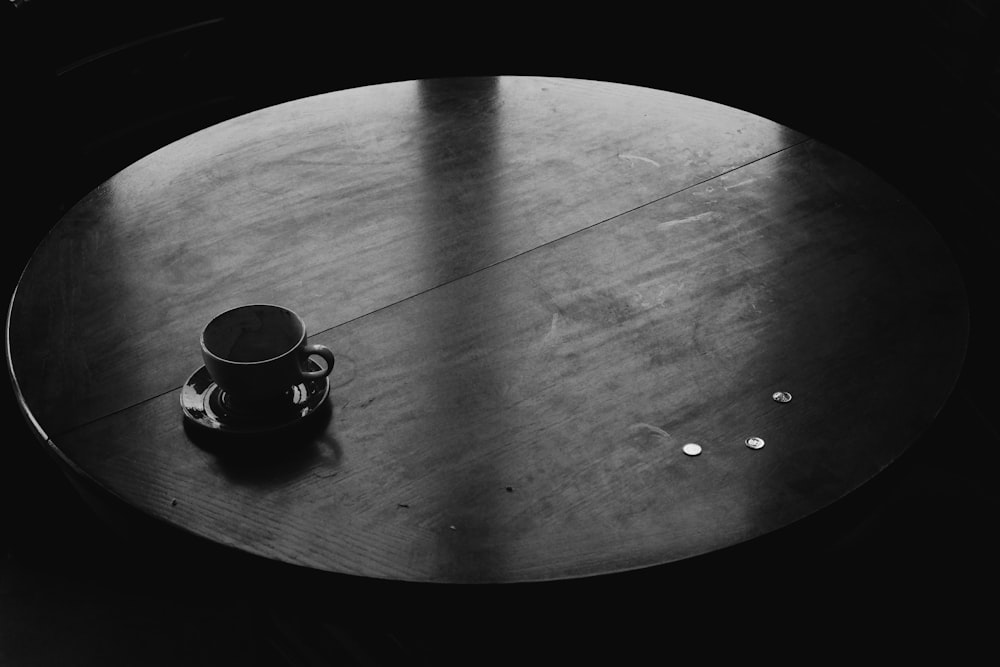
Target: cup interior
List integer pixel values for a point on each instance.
(253, 333)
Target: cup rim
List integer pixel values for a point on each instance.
(297, 345)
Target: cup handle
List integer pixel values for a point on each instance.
(322, 351)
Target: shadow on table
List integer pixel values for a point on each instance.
(275, 457)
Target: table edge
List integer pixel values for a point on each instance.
(948, 391)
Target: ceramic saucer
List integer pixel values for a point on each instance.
(206, 404)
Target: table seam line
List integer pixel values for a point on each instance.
(471, 273)
(566, 236)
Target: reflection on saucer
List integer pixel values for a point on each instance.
(204, 403)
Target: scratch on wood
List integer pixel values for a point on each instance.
(552, 328)
(632, 158)
(693, 218)
(641, 427)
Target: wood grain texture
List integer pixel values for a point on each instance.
(526, 421)
(336, 206)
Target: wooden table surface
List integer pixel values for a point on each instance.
(538, 290)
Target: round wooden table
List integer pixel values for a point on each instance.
(538, 291)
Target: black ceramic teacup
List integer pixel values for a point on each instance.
(256, 353)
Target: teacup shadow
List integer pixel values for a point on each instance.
(272, 457)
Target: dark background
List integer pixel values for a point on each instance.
(909, 89)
